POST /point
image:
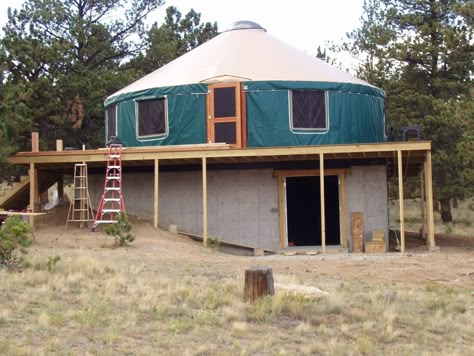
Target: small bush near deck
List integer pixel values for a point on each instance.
(121, 230)
(13, 237)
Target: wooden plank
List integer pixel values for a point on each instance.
(155, 195)
(61, 187)
(198, 152)
(343, 211)
(243, 114)
(311, 172)
(59, 145)
(400, 197)
(32, 193)
(429, 200)
(34, 142)
(21, 213)
(209, 114)
(323, 212)
(204, 200)
(281, 210)
(422, 204)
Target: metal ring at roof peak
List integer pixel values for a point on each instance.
(244, 25)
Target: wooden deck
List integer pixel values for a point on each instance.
(413, 153)
(411, 156)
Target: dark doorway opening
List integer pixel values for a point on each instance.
(303, 210)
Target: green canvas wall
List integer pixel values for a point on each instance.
(355, 115)
(186, 115)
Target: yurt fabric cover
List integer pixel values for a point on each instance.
(268, 70)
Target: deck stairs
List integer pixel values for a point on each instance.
(16, 196)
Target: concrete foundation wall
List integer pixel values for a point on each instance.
(242, 204)
(366, 192)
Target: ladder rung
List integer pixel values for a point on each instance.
(113, 167)
(97, 222)
(114, 156)
(104, 211)
(111, 199)
(80, 198)
(81, 209)
(112, 188)
(113, 177)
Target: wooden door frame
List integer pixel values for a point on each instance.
(283, 174)
(239, 119)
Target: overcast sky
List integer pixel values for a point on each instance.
(303, 23)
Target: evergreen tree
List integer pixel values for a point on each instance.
(13, 118)
(176, 36)
(70, 55)
(422, 54)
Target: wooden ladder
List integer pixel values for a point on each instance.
(111, 202)
(80, 209)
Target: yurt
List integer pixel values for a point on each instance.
(248, 89)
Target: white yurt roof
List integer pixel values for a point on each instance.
(244, 52)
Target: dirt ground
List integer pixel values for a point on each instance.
(176, 255)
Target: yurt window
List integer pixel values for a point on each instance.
(111, 114)
(151, 117)
(308, 109)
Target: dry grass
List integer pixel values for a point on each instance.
(87, 306)
(463, 218)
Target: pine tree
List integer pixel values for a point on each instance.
(176, 36)
(70, 54)
(422, 54)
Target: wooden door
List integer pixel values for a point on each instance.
(224, 114)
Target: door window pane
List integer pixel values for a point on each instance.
(224, 102)
(225, 132)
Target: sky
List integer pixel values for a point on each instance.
(305, 24)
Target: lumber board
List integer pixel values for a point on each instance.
(21, 213)
(323, 207)
(222, 151)
(400, 198)
(204, 200)
(343, 210)
(156, 193)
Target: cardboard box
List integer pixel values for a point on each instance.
(375, 247)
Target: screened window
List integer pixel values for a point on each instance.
(224, 102)
(151, 117)
(225, 132)
(111, 121)
(308, 108)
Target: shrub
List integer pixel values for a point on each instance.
(13, 237)
(213, 243)
(121, 229)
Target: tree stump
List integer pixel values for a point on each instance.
(258, 283)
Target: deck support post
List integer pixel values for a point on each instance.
(155, 195)
(61, 188)
(32, 174)
(429, 200)
(204, 200)
(343, 210)
(323, 213)
(423, 205)
(400, 198)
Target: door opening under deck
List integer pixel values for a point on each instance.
(303, 210)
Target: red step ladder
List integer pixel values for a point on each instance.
(111, 202)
